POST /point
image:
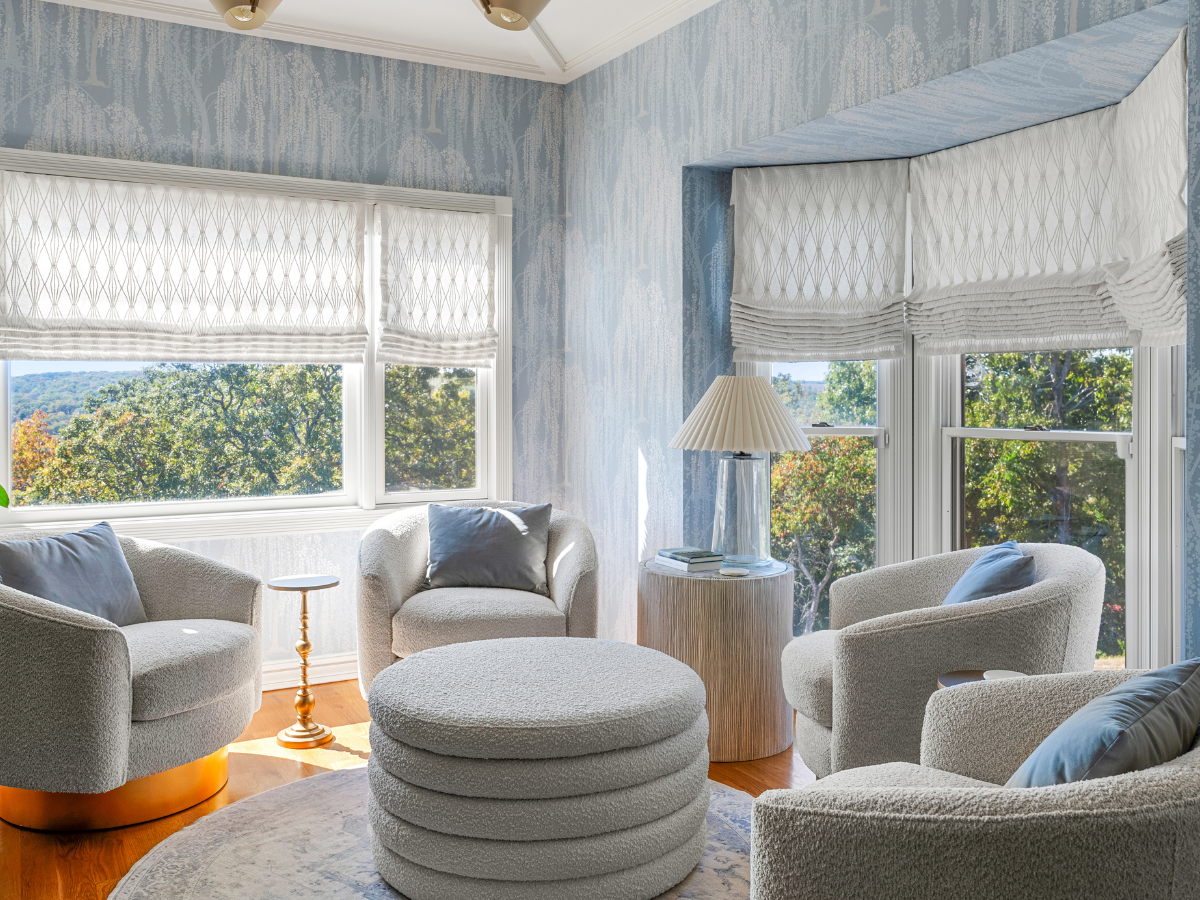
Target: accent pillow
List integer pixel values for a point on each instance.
(1147, 721)
(1002, 569)
(477, 546)
(85, 570)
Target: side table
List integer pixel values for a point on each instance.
(304, 733)
(731, 631)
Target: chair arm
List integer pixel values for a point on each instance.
(571, 573)
(178, 584)
(877, 837)
(916, 584)
(68, 697)
(986, 730)
(885, 669)
(393, 559)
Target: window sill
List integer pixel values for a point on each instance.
(174, 528)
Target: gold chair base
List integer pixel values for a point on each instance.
(139, 800)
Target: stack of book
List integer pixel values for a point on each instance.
(689, 559)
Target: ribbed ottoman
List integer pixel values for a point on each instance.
(538, 768)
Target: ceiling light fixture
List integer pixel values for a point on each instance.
(511, 15)
(244, 16)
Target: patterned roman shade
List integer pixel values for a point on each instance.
(1146, 284)
(437, 275)
(96, 269)
(1060, 235)
(819, 261)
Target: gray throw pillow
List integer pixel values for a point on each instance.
(1003, 569)
(476, 546)
(85, 570)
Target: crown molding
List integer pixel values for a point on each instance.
(547, 61)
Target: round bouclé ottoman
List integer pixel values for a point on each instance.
(538, 769)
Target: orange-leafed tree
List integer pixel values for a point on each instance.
(33, 448)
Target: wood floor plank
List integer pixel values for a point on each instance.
(43, 866)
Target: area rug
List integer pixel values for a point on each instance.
(311, 839)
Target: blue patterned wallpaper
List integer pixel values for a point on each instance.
(1191, 516)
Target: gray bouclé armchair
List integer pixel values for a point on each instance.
(947, 829)
(398, 617)
(89, 706)
(860, 689)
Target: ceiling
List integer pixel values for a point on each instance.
(568, 39)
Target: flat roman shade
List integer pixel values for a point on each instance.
(437, 276)
(94, 269)
(819, 261)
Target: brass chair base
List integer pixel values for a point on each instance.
(139, 800)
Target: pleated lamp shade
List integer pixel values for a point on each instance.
(741, 413)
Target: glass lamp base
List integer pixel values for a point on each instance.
(742, 523)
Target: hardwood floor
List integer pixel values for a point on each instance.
(42, 866)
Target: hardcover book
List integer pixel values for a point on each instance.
(689, 554)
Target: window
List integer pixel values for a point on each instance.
(102, 432)
(823, 503)
(430, 429)
(1042, 459)
(382, 314)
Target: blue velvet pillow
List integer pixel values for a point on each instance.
(1147, 721)
(1002, 569)
(85, 570)
(477, 546)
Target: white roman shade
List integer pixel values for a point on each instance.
(437, 274)
(819, 261)
(1152, 155)
(1010, 239)
(1059, 235)
(95, 269)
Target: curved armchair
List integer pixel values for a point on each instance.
(860, 689)
(946, 829)
(90, 706)
(396, 618)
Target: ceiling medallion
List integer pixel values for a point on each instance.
(244, 15)
(511, 15)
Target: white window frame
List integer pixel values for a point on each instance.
(1153, 454)
(362, 499)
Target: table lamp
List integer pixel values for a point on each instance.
(742, 418)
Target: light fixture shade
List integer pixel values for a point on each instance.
(741, 413)
(511, 15)
(261, 12)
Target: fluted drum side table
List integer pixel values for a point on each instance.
(731, 631)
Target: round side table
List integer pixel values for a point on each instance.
(304, 733)
(731, 631)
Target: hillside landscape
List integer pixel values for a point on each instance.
(59, 394)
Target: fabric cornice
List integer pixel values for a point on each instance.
(819, 261)
(437, 281)
(96, 269)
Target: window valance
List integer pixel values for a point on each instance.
(437, 274)
(819, 261)
(95, 269)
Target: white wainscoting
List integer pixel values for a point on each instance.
(285, 673)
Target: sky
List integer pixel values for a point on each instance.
(801, 371)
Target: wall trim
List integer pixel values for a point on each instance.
(285, 673)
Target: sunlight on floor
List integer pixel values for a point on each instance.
(350, 747)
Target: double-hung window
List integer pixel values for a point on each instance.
(188, 342)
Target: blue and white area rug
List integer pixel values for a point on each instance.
(311, 839)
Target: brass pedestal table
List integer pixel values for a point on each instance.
(305, 733)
